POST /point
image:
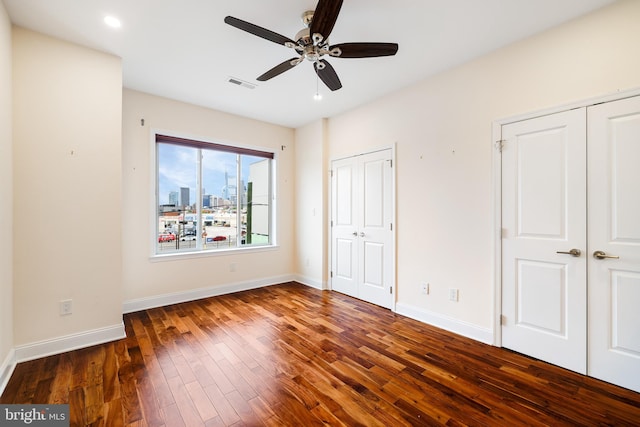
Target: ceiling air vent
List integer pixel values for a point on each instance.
(242, 83)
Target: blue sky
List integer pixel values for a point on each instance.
(177, 168)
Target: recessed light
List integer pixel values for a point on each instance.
(112, 21)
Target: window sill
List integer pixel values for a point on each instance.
(176, 256)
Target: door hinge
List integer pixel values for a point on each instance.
(503, 320)
(390, 289)
(332, 223)
(390, 226)
(500, 144)
(331, 273)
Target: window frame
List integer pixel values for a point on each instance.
(159, 136)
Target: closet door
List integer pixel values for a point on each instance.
(344, 226)
(544, 290)
(375, 229)
(362, 230)
(614, 242)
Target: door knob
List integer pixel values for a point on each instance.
(602, 255)
(572, 252)
(355, 233)
(361, 234)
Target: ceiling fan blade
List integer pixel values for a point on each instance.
(325, 16)
(328, 75)
(365, 50)
(257, 31)
(279, 69)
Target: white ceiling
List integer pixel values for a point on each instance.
(183, 50)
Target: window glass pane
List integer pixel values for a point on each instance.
(212, 197)
(256, 219)
(220, 189)
(177, 220)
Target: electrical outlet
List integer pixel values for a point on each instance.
(425, 288)
(453, 294)
(66, 307)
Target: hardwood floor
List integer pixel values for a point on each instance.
(289, 355)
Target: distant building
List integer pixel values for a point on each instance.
(184, 196)
(173, 198)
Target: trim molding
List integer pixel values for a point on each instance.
(139, 304)
(484, 335)
(6, 369)
(312, 283)
(24, 353)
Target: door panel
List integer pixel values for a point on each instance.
(537, 284)
(541, 192)
(544, 213)
(376, 234)
(373, 213)
(344, 241)
(344, 261)
(614, 228)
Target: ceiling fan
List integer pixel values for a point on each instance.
(312, 43)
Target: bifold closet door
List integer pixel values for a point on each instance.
(544, 288)
(570, 292)
(613, 141)
(362, 229)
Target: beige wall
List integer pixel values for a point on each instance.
(80, 152)
(67, 163)
(6, 194)
(147, 279)
(311, 203)
(443, 130)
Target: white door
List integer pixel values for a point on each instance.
(344, 230)
(613, 142)
(362, 232)
(544, 294)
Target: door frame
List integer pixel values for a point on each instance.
(496, 166)
(391, 147)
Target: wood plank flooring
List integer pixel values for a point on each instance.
(289, 355)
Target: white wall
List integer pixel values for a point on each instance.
(311, 203)
(443, 130)
(67, 192)
(6, 199)
(150, 282)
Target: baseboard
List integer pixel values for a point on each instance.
(312, 283)
(139, 304)
(450, 324)
(66, 343)
(6, 369)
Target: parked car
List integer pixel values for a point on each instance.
(187, 238)
(166, 238)
(219, 238)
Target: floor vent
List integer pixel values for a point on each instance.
(242, 83)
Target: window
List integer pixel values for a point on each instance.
(211, 197)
